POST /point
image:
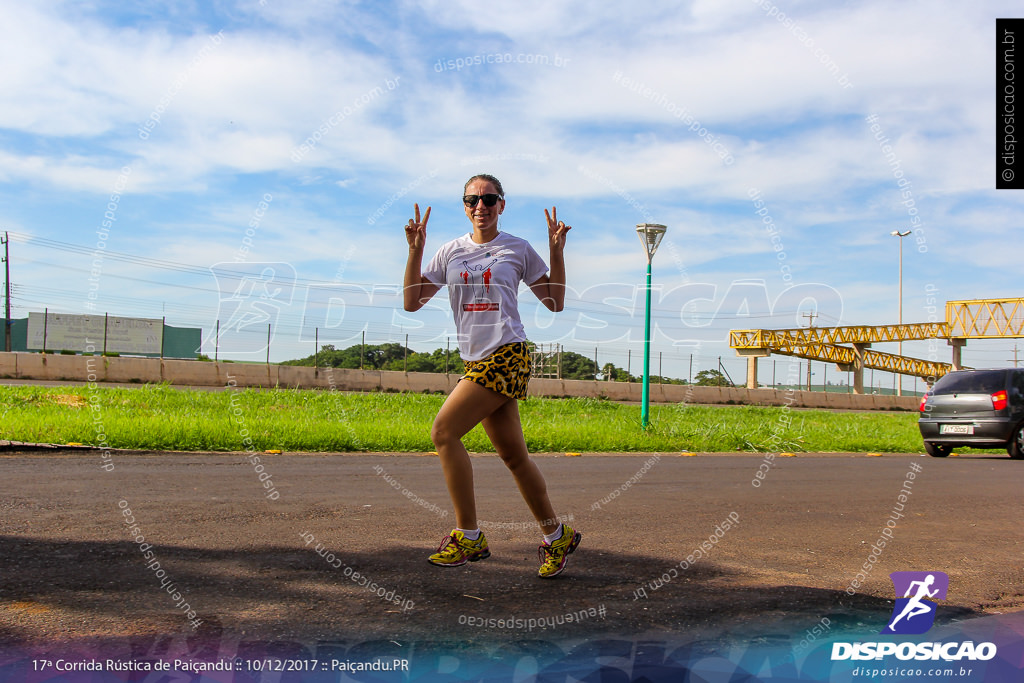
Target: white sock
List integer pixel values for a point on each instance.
(471, 535)
(554, 535)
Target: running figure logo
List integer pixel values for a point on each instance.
(914, 613)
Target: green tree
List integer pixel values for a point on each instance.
(577, 366)
(376, 357)
(396, 357)
(382, 357)
(711, 378)
(617, 374)
(427, 362)
(329, 357)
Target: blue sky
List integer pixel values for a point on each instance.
(314, 126)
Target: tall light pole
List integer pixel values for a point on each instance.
(900, 235)
(7, 291)
(650, 236)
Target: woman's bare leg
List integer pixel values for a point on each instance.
(466, 407)
(505, 430)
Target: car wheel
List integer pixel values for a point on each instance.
(937, 450)
(1016, 446)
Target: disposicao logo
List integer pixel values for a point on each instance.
(914, 613)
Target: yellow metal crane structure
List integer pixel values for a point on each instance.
(965, 319)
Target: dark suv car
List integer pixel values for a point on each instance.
(976, 408)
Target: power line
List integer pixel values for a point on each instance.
(157, 263)
(582, 305)
(297, 324)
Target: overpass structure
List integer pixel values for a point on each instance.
(850, 347)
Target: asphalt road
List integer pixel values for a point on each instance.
(72, 570)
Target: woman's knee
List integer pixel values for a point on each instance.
(514, 458)
(442, 432)
(437, 434)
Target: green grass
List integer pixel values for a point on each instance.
(158, 417)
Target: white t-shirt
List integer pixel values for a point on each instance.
(483, 288)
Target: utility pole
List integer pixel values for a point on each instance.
(7, 291)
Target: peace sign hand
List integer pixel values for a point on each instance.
(416, 230)
(556, 230)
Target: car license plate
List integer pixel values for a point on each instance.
(956, 429)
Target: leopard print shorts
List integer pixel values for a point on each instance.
(506, 371)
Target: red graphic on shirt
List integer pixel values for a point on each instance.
(477, 279)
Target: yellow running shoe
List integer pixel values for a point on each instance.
(554, 555)
(456, 550)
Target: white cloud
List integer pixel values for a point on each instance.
(233, 111)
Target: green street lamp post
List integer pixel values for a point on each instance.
(650, 236)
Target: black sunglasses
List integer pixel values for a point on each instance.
(470, 200)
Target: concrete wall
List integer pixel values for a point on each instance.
(677, 393)
(198, 373)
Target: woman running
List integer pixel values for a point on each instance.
(483, 270)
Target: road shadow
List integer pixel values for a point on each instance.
(66, 591)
